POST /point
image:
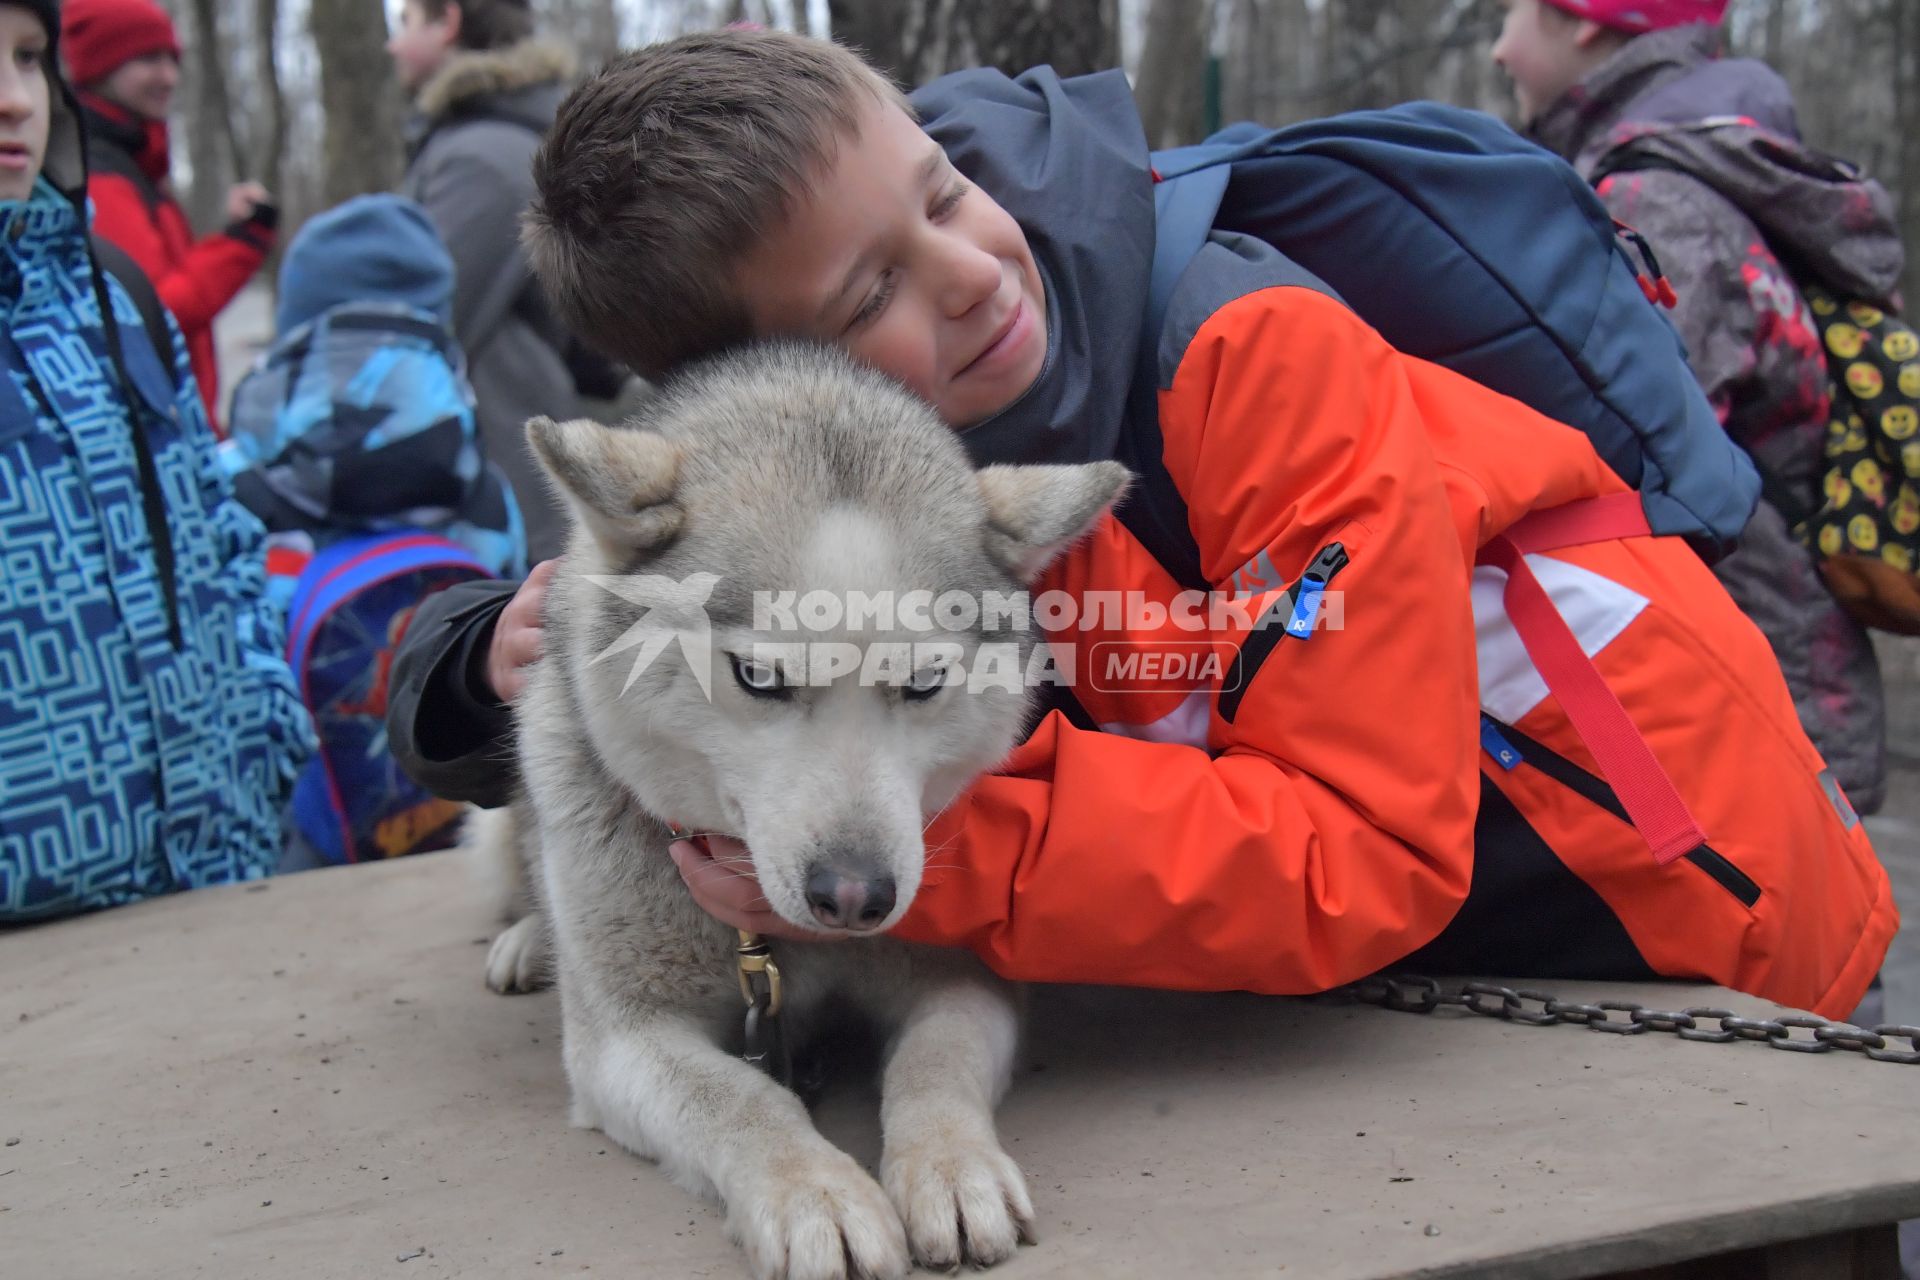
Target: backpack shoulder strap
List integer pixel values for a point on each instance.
(349, 567)
(1188, 185)
(119, 264)
(106, 156)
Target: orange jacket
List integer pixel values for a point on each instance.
(1346, 817)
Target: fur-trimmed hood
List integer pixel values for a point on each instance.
(469, 79)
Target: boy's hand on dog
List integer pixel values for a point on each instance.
(720, 877)
(516, 636)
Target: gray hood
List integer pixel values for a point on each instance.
(1068, 159)
(1667, 101)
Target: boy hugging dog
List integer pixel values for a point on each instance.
(987, 244)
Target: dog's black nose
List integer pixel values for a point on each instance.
(847, 900)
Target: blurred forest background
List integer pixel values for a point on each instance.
(300, 94)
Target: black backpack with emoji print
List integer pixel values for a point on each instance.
(1867, 532)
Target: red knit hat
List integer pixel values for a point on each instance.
(1637, 16)
(97, 37)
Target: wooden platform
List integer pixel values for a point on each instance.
(308, 1078)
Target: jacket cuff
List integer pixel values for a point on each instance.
(255, 232)
(447, 729)
(459, 714)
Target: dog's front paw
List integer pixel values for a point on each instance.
(962, 1200)
(521, 958)
(821, 1218)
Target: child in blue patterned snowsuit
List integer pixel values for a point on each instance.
(149, 727)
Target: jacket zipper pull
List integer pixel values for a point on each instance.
(1313, 585)
(1496, 745)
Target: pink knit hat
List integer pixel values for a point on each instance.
(1643, 15)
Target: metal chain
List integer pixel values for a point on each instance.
(1410, 993)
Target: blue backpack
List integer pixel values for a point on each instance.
(350, 610)
(1467, 245)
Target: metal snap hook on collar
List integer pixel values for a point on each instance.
(759, 975)
(759, 979)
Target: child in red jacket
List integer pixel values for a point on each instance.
(124, 59)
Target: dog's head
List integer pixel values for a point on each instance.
(794, 612)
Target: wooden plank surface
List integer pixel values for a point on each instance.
(308, 1078)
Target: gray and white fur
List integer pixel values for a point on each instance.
(781, 468)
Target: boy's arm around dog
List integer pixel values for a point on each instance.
(1327, 829)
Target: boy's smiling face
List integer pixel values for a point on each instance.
(894, 257)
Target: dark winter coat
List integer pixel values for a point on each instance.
(479, 121)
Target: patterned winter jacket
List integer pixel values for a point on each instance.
(1718, 205)
(147, 737)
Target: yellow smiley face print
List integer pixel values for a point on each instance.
(1862, 534)
(1864, 380)
(1867, 478)
(1906, 511)
(1845, 341)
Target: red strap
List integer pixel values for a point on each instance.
(1626, 761)
(1602, 519)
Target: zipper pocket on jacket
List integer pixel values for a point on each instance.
(1595, 790)
(1291, 615)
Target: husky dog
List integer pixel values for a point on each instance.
(781, 473)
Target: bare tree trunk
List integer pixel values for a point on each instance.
(1776, 31)
(1475, 26)
(212, 147)
(357, 98)
(878, 28)
(1171, 88)
(1246, 52)
(270, 140)
(1074, 36)
(1906, 100)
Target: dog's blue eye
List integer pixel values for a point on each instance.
(925, 683)
(757, 678)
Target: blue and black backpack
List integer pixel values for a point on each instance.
(1467, 245)
(350, 610)
(353, 439)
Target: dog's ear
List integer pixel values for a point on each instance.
(619, 481)
(1035, 513)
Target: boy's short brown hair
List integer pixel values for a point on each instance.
(667, 166)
